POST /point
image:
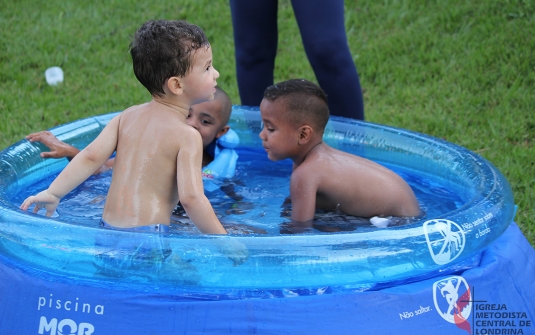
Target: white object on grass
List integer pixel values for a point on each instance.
(54, 75)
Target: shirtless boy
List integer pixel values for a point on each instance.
(155, 147)
(294, 114)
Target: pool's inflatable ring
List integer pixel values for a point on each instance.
(50, 247)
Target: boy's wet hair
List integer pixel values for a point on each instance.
(305, 101)
(162, 49)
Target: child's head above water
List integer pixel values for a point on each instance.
(299, 102)
(294, 114)
(162, 49)
(210, 118)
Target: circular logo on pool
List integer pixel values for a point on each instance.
(445, 240)
(453, 300)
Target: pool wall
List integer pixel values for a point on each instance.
(322, 283)
(501, 288)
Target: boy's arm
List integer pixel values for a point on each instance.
(303, 190)
(78, 170)
(190, 187)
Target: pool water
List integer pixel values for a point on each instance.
(255, 204)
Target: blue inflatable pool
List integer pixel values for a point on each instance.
(424, 274)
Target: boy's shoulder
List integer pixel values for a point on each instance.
(325, 162)
(135, 108)
(156, 113)
(152, 106)
(159, 120)
(321, 153)
(308, 169)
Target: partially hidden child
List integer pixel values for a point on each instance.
(294, 114)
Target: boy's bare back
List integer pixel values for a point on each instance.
(351, 184)
(153, 139)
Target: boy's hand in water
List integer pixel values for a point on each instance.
(43, 199)
(233, 249)
(58, 149)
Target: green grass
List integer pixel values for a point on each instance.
(459, 70)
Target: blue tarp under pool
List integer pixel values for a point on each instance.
(496, 297)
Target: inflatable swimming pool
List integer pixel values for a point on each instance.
(57, 257)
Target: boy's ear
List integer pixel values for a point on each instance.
(222, 131)
(174, 84)
(305, 134)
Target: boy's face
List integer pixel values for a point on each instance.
(200, 82)
(279, 137)
(206, 118)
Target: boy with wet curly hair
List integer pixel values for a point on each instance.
(158, 155)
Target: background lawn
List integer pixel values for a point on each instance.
(459, 70)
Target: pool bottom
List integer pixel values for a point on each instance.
(502, 284)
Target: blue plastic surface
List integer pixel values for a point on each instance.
(328, 271)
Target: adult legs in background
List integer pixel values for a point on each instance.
(324, 37)
(255, 40)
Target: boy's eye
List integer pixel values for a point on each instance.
(266, 127)
(205, 122)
